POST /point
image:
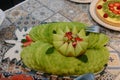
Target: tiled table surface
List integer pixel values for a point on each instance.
(34, 12)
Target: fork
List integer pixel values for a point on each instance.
(93, 28)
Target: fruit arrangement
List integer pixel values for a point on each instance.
(109, 11)
(65, 48)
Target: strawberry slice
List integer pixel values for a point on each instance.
(69, 35)
(111, 5)
(78, 39)
(118, 7)
(74, 44)
(115, 12)
(27, 44)
(111, 8)
(28, 38)
(116, 4)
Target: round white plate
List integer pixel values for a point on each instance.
(82, 1)
(94, 16)
(2, 16)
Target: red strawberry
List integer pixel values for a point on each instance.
(78, 39)
(99, 6)
(118, 12)
(118, 7)
(111, 5)
(105, 15)
(68, 35)
(74, 44)
(117, 4)
(28, 38)
(115, 12)
(111, 8)
(27, 44)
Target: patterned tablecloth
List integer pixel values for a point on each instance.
(35, 12)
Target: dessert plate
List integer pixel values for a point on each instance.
(12, 66)
(94, 16)
(82, 1)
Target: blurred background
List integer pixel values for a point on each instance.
(6, 4)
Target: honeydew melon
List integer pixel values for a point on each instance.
(55, 53)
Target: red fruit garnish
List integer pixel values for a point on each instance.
(104, 0)
(21, 77)
(111, 8)
(28, 38)
(27, 43)
(74, 44)
(115, 12)
(118, 12)
(118, 8)
(68, 35)
(99, 6)
(111, 5)
(105, 15)
(78, 39)
(116, 4)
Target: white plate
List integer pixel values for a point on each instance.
(2, 16)
(82, 1)
(94, 16)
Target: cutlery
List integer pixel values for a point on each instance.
(93, 28)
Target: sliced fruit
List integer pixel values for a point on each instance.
(60, 31)
(81, 33)
(78, 39)
(70, 50)
(63, 48)
(74, 30)
(57, 44)
(103, 39)
(58, 37)
(68, 35)
(67, 29)
(78, 49)
(84, 45)
(25, 44)
(28, 38)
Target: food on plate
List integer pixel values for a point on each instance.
(65, 48)
(109, 11)
(17, 77)
(21, 77)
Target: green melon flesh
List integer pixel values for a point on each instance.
(70, 50)
(51, 53)
(58, 44)
(60, 36)
(63, 49)
(37, 56)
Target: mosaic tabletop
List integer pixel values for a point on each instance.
(34, 12)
